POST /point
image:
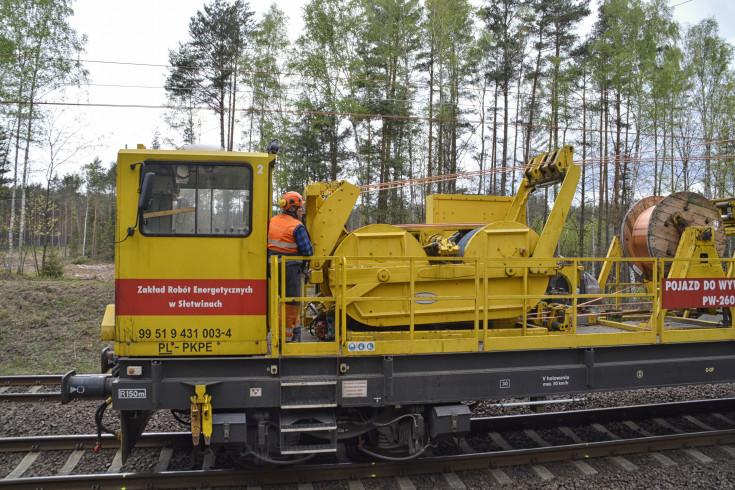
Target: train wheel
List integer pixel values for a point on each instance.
(403, 439)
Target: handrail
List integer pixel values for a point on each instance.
(482, 294)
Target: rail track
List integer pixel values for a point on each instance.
(33, 383)
(582, 438)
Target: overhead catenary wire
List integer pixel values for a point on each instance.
(398, 184)
(518, 168)
(517, 125)
(410, 84)
(342, 114)
(620, 158)
(417, 83)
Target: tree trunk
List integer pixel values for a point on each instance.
(24, 184)
(11, 226)
(494, 150)
(481, 158)
(233, 106)
(532, 104)
(603, 163)
(45, 231)
(503, 175)
(86, 217)
(515, 137)
(617, 174)
(580, 246)
(221, 110)
(429, 164)
(95, 245)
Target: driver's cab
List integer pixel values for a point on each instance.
(190, 264)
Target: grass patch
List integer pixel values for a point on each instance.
(50, 326)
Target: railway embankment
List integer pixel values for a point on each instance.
(53, 325)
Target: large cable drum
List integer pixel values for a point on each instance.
(652, 228)
(386, 289)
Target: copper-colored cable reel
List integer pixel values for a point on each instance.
(650, 228)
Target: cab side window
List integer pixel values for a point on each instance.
(199, 199)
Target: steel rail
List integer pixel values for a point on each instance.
(351, 471)
(83, 441)
(346, 471)
(31, 379)
(54, 396)
(582, 417)
(478, 424)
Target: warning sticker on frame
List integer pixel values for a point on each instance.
(354, 389)
(361, 346)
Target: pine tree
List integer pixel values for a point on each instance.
(502, 19)
(219, 36)
(391, 42)
(324, 53)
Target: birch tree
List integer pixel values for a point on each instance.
(708, 57)
(41, 50)
(63, 142)
(262, 71)
(323, 56)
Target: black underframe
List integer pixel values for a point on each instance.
(421, 379)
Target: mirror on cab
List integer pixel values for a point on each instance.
(146, 191)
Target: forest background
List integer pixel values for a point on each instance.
(405, 98)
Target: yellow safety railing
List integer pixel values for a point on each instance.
(625, 312)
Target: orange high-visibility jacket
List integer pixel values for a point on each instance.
(280, 234)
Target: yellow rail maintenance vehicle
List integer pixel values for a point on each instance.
(403, 324)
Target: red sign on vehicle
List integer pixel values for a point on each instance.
(697, 293)
(190, 297)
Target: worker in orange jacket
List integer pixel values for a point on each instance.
(287, 235)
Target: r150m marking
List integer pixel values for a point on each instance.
(131, 393)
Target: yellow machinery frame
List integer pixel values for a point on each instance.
(483, 335)
(509, 252)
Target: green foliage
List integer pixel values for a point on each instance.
(39, 53)
(52, 267)
(326, 51)
(262, 70)
(99, 231)
(156, 143)
(181, 85)
(106, 238)
(708, 57)
(383, 91)
(203, 68)
(4, 166)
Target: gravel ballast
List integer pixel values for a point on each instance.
(25, 419)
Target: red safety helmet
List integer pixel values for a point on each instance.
(291, 199)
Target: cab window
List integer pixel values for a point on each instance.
(199, 199)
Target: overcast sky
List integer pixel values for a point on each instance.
(142, 32)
